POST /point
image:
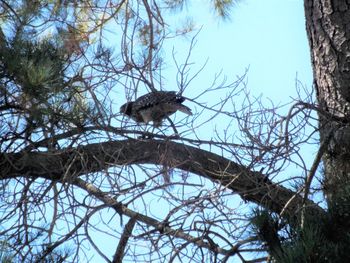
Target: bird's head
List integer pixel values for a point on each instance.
(126, 108)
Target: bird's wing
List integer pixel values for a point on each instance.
(154, 98)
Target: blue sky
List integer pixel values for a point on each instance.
(267, 36)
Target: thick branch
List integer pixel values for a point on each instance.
(119, 254)
(252, 186)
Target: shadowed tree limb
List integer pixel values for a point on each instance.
(119, 254)
(251, 185)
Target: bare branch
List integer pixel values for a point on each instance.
(157, 225)
(252, 186)
(119, 254)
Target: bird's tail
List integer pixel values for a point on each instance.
(185, 109)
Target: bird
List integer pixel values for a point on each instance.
(155, 106)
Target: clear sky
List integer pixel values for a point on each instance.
(268, 36)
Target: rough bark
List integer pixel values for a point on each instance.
(328, 29)
(63, 165)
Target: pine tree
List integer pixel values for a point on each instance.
(73, 166)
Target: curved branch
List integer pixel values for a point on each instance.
(250, 185)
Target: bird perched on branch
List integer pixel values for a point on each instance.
(155, 106)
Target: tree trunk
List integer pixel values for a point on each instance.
(328, 29)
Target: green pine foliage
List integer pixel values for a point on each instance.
(34, 73)
(5, 253)
(37, 67)
(312, 239)
(223, 7)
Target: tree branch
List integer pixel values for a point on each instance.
(159, 226)
(251, 185)
(119, 254)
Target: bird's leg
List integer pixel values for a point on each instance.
(173, 126)
(151, 134)
(146, 135)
